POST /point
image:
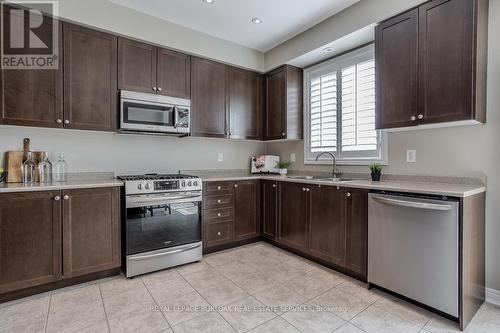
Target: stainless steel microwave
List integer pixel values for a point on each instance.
(149, 113)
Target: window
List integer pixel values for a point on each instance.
(340, 110)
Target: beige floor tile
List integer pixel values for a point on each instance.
(312, 318)
(301, 264)
(246, 314)
(208, 323)
(142, 321)
(162, 290)
(65, 298)
(184, 307)
(191, 268)
(101, 327)
(327, 276)
(235, 270)
(161, 276)
(348, 328)
(205, 278)
(120, 286)
(76, 317)
(306, 286)
(256, 282)
(277, 325)
(439, 324)
(219, 259)
(359, 290)
(31, 325)
(223, 293)
(376, 320)
(280, 298)
(402, 309)
(24, 309)
(281, 272)
(344, 305)
(127, 302)
(485, 321)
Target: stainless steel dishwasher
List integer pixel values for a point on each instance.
(413, 248)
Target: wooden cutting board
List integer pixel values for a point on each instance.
(14, 166)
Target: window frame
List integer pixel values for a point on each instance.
(346, 59)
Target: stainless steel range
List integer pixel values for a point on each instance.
(162, 222)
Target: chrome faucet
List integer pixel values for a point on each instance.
(335, 172)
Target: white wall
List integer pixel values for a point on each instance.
(109, 16)
(457, 151)
(127, 154)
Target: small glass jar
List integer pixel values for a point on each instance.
(45, 170)
(61, 169)
(29, 170)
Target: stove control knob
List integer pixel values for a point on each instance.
(195, 183)
(139, 187)
(147, 186)
(183, 184)
(189, 183)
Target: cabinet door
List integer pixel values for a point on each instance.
(246, 209)
(208, 97)
(327, 228)
(91, 231)
(275, 120)
(136, 66)
(90, 79)
(245, 104)
(34, 97)
(446, 33)
(174, 74)
(293, 218)
(269, 208)
(357, 230)
(396, 47)
(30, 239)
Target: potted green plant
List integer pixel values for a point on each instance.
(376, 169)
(283, 167)
(3, 175)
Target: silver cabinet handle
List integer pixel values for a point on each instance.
(413, 118)
(66, 122)
(59, 121)
(283, 133)
(308, 190)
(420, 116)
(219, 214)
(154, 88)
(66, 197)
(218, 201)
(348, 194)
(218, 233)
(274, 185)
(57, 198)
(218, 188)
(303, 189)
(159, 89)
(235, 185)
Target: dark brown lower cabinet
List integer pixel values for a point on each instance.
(91, 231)
(327, 224)
(269, 208)
(293, 212)
(246, 209)
(356, 208)
(30, 239)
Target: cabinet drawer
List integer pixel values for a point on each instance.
(218, 201)
(217, 234)
(218, 188)
(218, 215)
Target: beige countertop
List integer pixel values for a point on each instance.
(433, 187)
(75, 181)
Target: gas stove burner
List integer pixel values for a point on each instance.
(155, 176)
(159, 183)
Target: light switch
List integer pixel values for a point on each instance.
(292, 157)
(220, 157)
(411, 156)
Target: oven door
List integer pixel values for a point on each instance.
(147, 116)
(161, 221)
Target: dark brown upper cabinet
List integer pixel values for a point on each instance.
(91, 231)
(446, 42)
(269, 208)
(30, 248)
(146, 68)
(90, 72)
(246, 209)
(245, 104)
(33, 97)
(283, 104)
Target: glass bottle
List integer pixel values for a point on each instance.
(45, 170)
(29, 170)
(61, 169)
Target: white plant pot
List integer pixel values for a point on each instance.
(283, 172)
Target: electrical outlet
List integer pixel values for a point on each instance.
(292, 157)
(411, 156)
(220, 157)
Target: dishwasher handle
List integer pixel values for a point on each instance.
(412, 204)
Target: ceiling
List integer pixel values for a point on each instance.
(231, 19)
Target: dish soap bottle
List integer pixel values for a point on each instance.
(61, 169)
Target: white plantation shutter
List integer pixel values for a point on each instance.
(340, 110)
(323, 115)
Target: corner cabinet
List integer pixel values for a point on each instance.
(90, 79)
(284, 104)
(431, 63)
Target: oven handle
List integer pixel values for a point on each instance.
(149, 256)
(163, 200)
